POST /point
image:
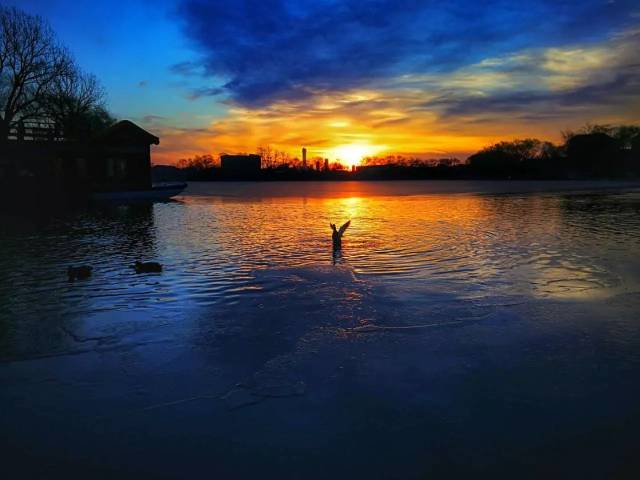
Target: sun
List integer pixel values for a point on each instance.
(352, 154)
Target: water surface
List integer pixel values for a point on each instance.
(466, 327)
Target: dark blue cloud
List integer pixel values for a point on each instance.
(270, 50)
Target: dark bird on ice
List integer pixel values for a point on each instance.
(79, 273)
(336, 236)
(147, 267)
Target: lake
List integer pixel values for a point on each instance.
(466, 328)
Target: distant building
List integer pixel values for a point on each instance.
(240, 164)
(304, 157)
(326, 164)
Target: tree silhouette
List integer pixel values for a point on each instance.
(75, 103)
(31, 60)
(198, 163)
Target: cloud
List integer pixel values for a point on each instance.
(423, 78)
(548, 82)
(198, 93)
(186, 69)
(530, 92)
(274, 50)
(614, 92)
(152, 119)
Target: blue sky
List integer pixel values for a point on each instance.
(425, 78)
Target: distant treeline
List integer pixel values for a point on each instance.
(594, 151)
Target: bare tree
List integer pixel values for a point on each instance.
(30, 60)
(73, 101)
(272, 158)
(267, 155)
(199, 162)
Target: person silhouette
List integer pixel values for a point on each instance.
(336, 236)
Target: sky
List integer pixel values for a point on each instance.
(347, 78)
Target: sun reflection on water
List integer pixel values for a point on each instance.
(521, 243)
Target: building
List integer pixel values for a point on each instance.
(125, 160)
(40, 160)
(240, 164)
(304, 157)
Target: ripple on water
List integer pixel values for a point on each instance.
(567, 246)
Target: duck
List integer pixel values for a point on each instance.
(79, 273)
(336, 236)
(147, 267)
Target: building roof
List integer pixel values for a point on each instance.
(129, 131)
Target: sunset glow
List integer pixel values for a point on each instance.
(352, 154)
(383, 79)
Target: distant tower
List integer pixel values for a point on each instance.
(318, 165)
(304, 157)
(326, 164)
